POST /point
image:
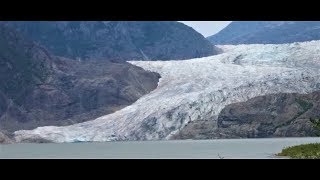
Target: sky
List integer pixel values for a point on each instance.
(207, 28)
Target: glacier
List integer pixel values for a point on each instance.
(197, 89)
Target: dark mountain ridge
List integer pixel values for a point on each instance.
(267, 32)
(117, 41)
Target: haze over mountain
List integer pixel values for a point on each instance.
(207, 28)
(267, 32)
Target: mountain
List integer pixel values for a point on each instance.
(23, 65)
(40, 89)
(247, 91)
(117, 41)
(267, 32)
(274, 115)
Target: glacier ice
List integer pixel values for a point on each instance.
(200, 88)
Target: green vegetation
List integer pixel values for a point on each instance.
(305, 151)
(316, 125)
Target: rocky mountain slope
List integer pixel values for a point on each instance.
(118, 41)
(209, 89)
(274, 115)
(4, 139)
(267, 32)
(40, 89)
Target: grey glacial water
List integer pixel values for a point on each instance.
(221, 148)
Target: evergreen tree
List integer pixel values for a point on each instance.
(316, 125)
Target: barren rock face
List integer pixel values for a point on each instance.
(273, 115)
(198, 90)
(4, 139)
(40, 89)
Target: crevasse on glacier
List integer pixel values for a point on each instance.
(198, 89)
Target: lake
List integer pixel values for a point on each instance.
(215, 149)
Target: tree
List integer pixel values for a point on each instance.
(316, 125)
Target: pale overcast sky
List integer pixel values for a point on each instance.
(207, 28)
